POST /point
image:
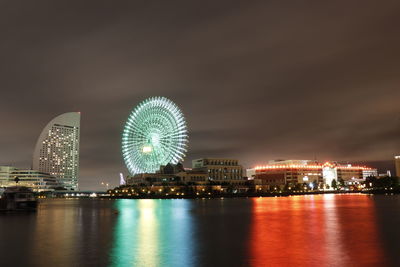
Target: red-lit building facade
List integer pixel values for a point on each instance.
(291, 172)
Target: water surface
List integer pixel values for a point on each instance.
(319, 230)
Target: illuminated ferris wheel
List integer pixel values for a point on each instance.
(155, 134)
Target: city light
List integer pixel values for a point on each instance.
(155, 134)
(146, 149)
(295, 166)
(57, 149)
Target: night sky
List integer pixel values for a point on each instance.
(256, 80)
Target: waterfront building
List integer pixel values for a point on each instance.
(5, 175)
(37, 181)
(57, 149)
(397, 163)
(169, 174)
(220, 169)
(292, 172)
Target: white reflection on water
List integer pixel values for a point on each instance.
(147, 232)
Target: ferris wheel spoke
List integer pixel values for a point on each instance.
(156, 123)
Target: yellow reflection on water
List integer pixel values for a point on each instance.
(135, 234)
(147, 233)
(55, 231)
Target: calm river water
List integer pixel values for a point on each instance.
(323, 230)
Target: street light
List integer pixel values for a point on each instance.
(105, 184)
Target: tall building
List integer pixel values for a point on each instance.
(219, 169)
(57, 149)
(397, 163)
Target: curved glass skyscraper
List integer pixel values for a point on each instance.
(57, 149)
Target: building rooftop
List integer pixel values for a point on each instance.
(308, 165)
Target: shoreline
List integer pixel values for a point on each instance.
(238, 195)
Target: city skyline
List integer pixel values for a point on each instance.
(199, 133)
(293, 89)
(100, 183)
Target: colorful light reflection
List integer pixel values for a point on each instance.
(153, 233)
(315, 231)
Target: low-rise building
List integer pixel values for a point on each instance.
(220, 169)
(37, 181)
(169, 174)
(292, 172)
(5, 172)
(205, 170)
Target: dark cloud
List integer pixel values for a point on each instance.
(257, 80)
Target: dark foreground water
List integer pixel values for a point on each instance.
(325, 230)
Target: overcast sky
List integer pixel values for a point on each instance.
(256, 80)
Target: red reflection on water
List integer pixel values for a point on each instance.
(323, 230)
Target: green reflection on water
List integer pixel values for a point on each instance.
(151, 232)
